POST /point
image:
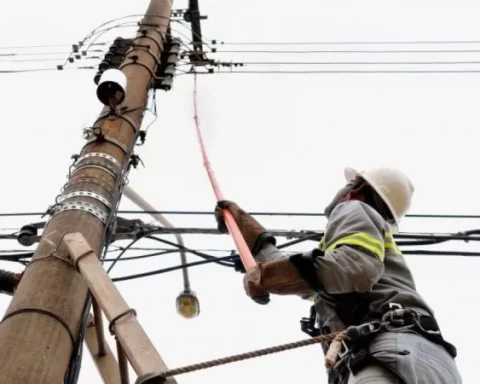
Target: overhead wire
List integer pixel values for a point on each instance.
(253, 213)
(353, 42)
(338, 71)
(236, 257)
(364, 51)
(243, 63)
(12, 71)
(171, 269)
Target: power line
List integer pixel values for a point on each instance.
(337, 71)
(48, 53)
(31, 70)
(352, 62)
(349, 51)
(258, 213)
(171, 269)
(346, 42)
(236, 257)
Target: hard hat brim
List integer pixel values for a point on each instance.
(351, 174)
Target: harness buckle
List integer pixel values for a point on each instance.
(394, 306)
(357, 331)
(394, 320)
(418, 323)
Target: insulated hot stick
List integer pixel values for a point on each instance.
(242, 248)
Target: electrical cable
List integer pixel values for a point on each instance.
(170, 269)
(349, 51)
(160, 252)
(253, 213)
(244, 63)
(192, 251)
(216, 42)
(313, 72)
(150, 235)
(12, 71)
(419, 240)
(233, 257)
(349, 42)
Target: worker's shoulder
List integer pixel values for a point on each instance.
(355, 211)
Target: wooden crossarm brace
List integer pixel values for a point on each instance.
(106, 364)
(138, 348)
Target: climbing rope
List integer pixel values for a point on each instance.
(331, 355)
(242, 248)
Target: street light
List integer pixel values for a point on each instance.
(188, 305)
(187, 302)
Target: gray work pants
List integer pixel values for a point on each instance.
(415, 359)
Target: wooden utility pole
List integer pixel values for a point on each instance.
(44, 316)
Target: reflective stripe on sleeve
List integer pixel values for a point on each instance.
(390, 243)
(363, 240)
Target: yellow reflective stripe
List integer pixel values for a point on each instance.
(362, 240)
(321, 244)
(390, 243)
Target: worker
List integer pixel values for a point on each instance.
(9, 281)
(358, 278)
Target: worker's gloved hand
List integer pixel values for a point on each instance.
(277, 277)
(9, 281)
(253, 232)
(252, 283)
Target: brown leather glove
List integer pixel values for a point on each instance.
(278, 277)
(250, 228)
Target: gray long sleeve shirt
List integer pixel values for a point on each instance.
(356, 270)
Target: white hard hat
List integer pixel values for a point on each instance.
(393, 186)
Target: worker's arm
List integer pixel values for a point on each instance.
(350, 258)
(272, 266)
(353, 251)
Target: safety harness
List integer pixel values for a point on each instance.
(392, 317)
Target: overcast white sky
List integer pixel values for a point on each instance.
(277, 142)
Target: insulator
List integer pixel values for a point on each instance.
(166, 84)
(174, 50)
(119, 41)
(26, 235)
(172, 60)
(96, 79)
(104, 64)
(169, 72)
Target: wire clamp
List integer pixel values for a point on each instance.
(86, 193)
(99, 136)
(90, 180)
(96, 164)
(102, 156)
(85, 207)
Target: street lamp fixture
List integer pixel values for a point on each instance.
(188, 305)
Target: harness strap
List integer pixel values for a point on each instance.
(356, 354)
